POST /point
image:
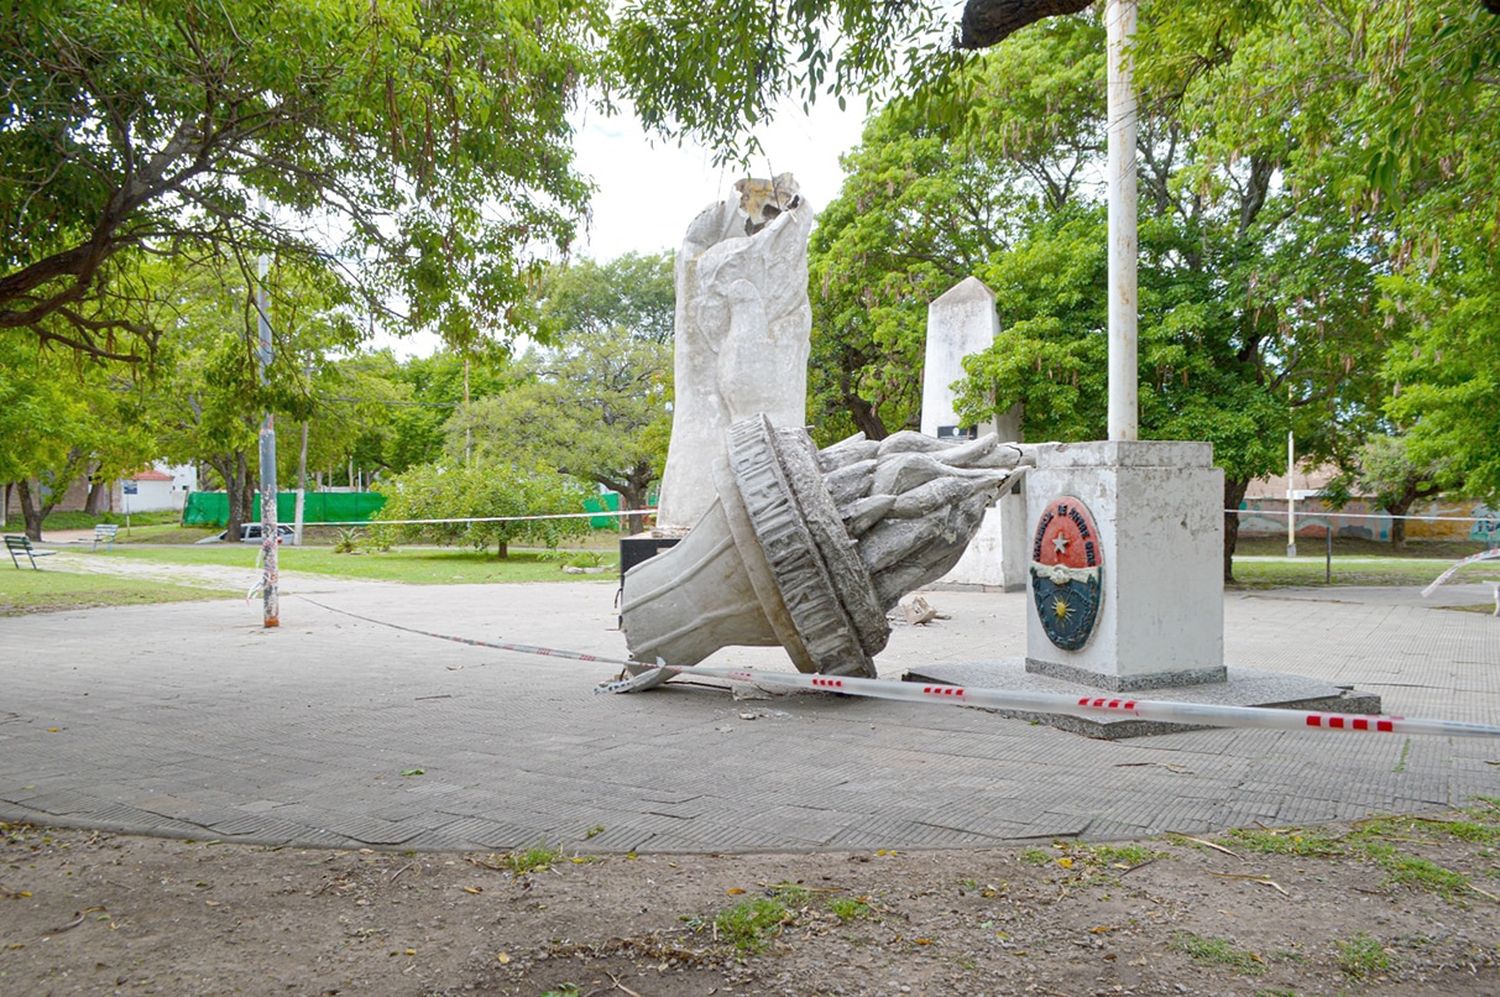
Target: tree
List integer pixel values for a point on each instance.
(63, 418)
(924, 205)
(1254, 301)
(207, 397)
(481, 489)
(717, 68)
(596, 406)
(1386, 471)
(1394, 108)
(418, 149)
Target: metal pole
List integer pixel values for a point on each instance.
(271, 578)
(1328, 557)
(301, 488)
(1120, 18)
(1291, 497)
(468, 426)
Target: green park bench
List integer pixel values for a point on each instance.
(105, 533)
(22, 545)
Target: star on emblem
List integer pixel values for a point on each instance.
(1060, 543)
(1060, 608)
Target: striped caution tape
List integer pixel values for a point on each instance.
(1091, 707)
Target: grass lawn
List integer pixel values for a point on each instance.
(1272, 572)
(162, 533)
(87, 521)
(28, 591)
(419, 565)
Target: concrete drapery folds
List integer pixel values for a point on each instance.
(742, 331)
(809, 549)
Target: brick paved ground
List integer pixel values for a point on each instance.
(188, 719)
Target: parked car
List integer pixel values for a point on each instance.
(250, 534)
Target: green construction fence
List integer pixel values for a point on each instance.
(212, 508)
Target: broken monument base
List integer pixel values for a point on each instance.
(1244, 687)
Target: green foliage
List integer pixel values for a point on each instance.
(924, 206)
(482, 489)
(847, 909)
(1254, 313)
(1362, 957)
(347, 541)
(1390, 109)
(716, 68)
(751, 926)
(586, 298)
(1035, 856)
(539, 858)
(1217, 952)
(159, 123)
(594, 405)
(1126, 855)
(1285, 841)
(1446, 373)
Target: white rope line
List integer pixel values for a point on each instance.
(483, 519)
(1281, 514)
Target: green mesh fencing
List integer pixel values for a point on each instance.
(212, 508)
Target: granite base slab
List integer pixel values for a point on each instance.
(1244, 687)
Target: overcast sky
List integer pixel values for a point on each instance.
(648, 191)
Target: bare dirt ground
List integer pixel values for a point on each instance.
(1400, 905)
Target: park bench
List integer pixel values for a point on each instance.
(105, 533)
(22, 545)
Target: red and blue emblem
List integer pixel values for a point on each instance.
(1066, 559)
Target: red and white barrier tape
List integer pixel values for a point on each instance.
(1483, 555)
(1165, 711)
(1090, 707)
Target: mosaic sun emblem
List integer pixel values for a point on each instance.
(1066, 559)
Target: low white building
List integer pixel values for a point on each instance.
(159, 488)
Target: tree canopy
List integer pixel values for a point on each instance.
(418, 150)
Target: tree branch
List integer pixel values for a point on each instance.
(989, 22)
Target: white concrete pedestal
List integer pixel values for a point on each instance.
(960, 323)
(1156, 507)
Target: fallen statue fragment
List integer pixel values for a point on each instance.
(1200, 714)
(809, 549)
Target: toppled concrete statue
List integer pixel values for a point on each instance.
(810, 549)
(743, 327)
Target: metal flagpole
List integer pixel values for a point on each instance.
(271, 576)
(1120, 18)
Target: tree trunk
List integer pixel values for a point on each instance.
(633, 497)
(98, 501)
(1234, 494)
(866, 418)
(502, 550)
(35, 513)
(1398, 510)
(235, 489)
(247, 487)
(29, 511)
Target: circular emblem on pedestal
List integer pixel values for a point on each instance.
(1066, 559)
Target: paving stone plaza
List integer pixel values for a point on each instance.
(190, 720)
